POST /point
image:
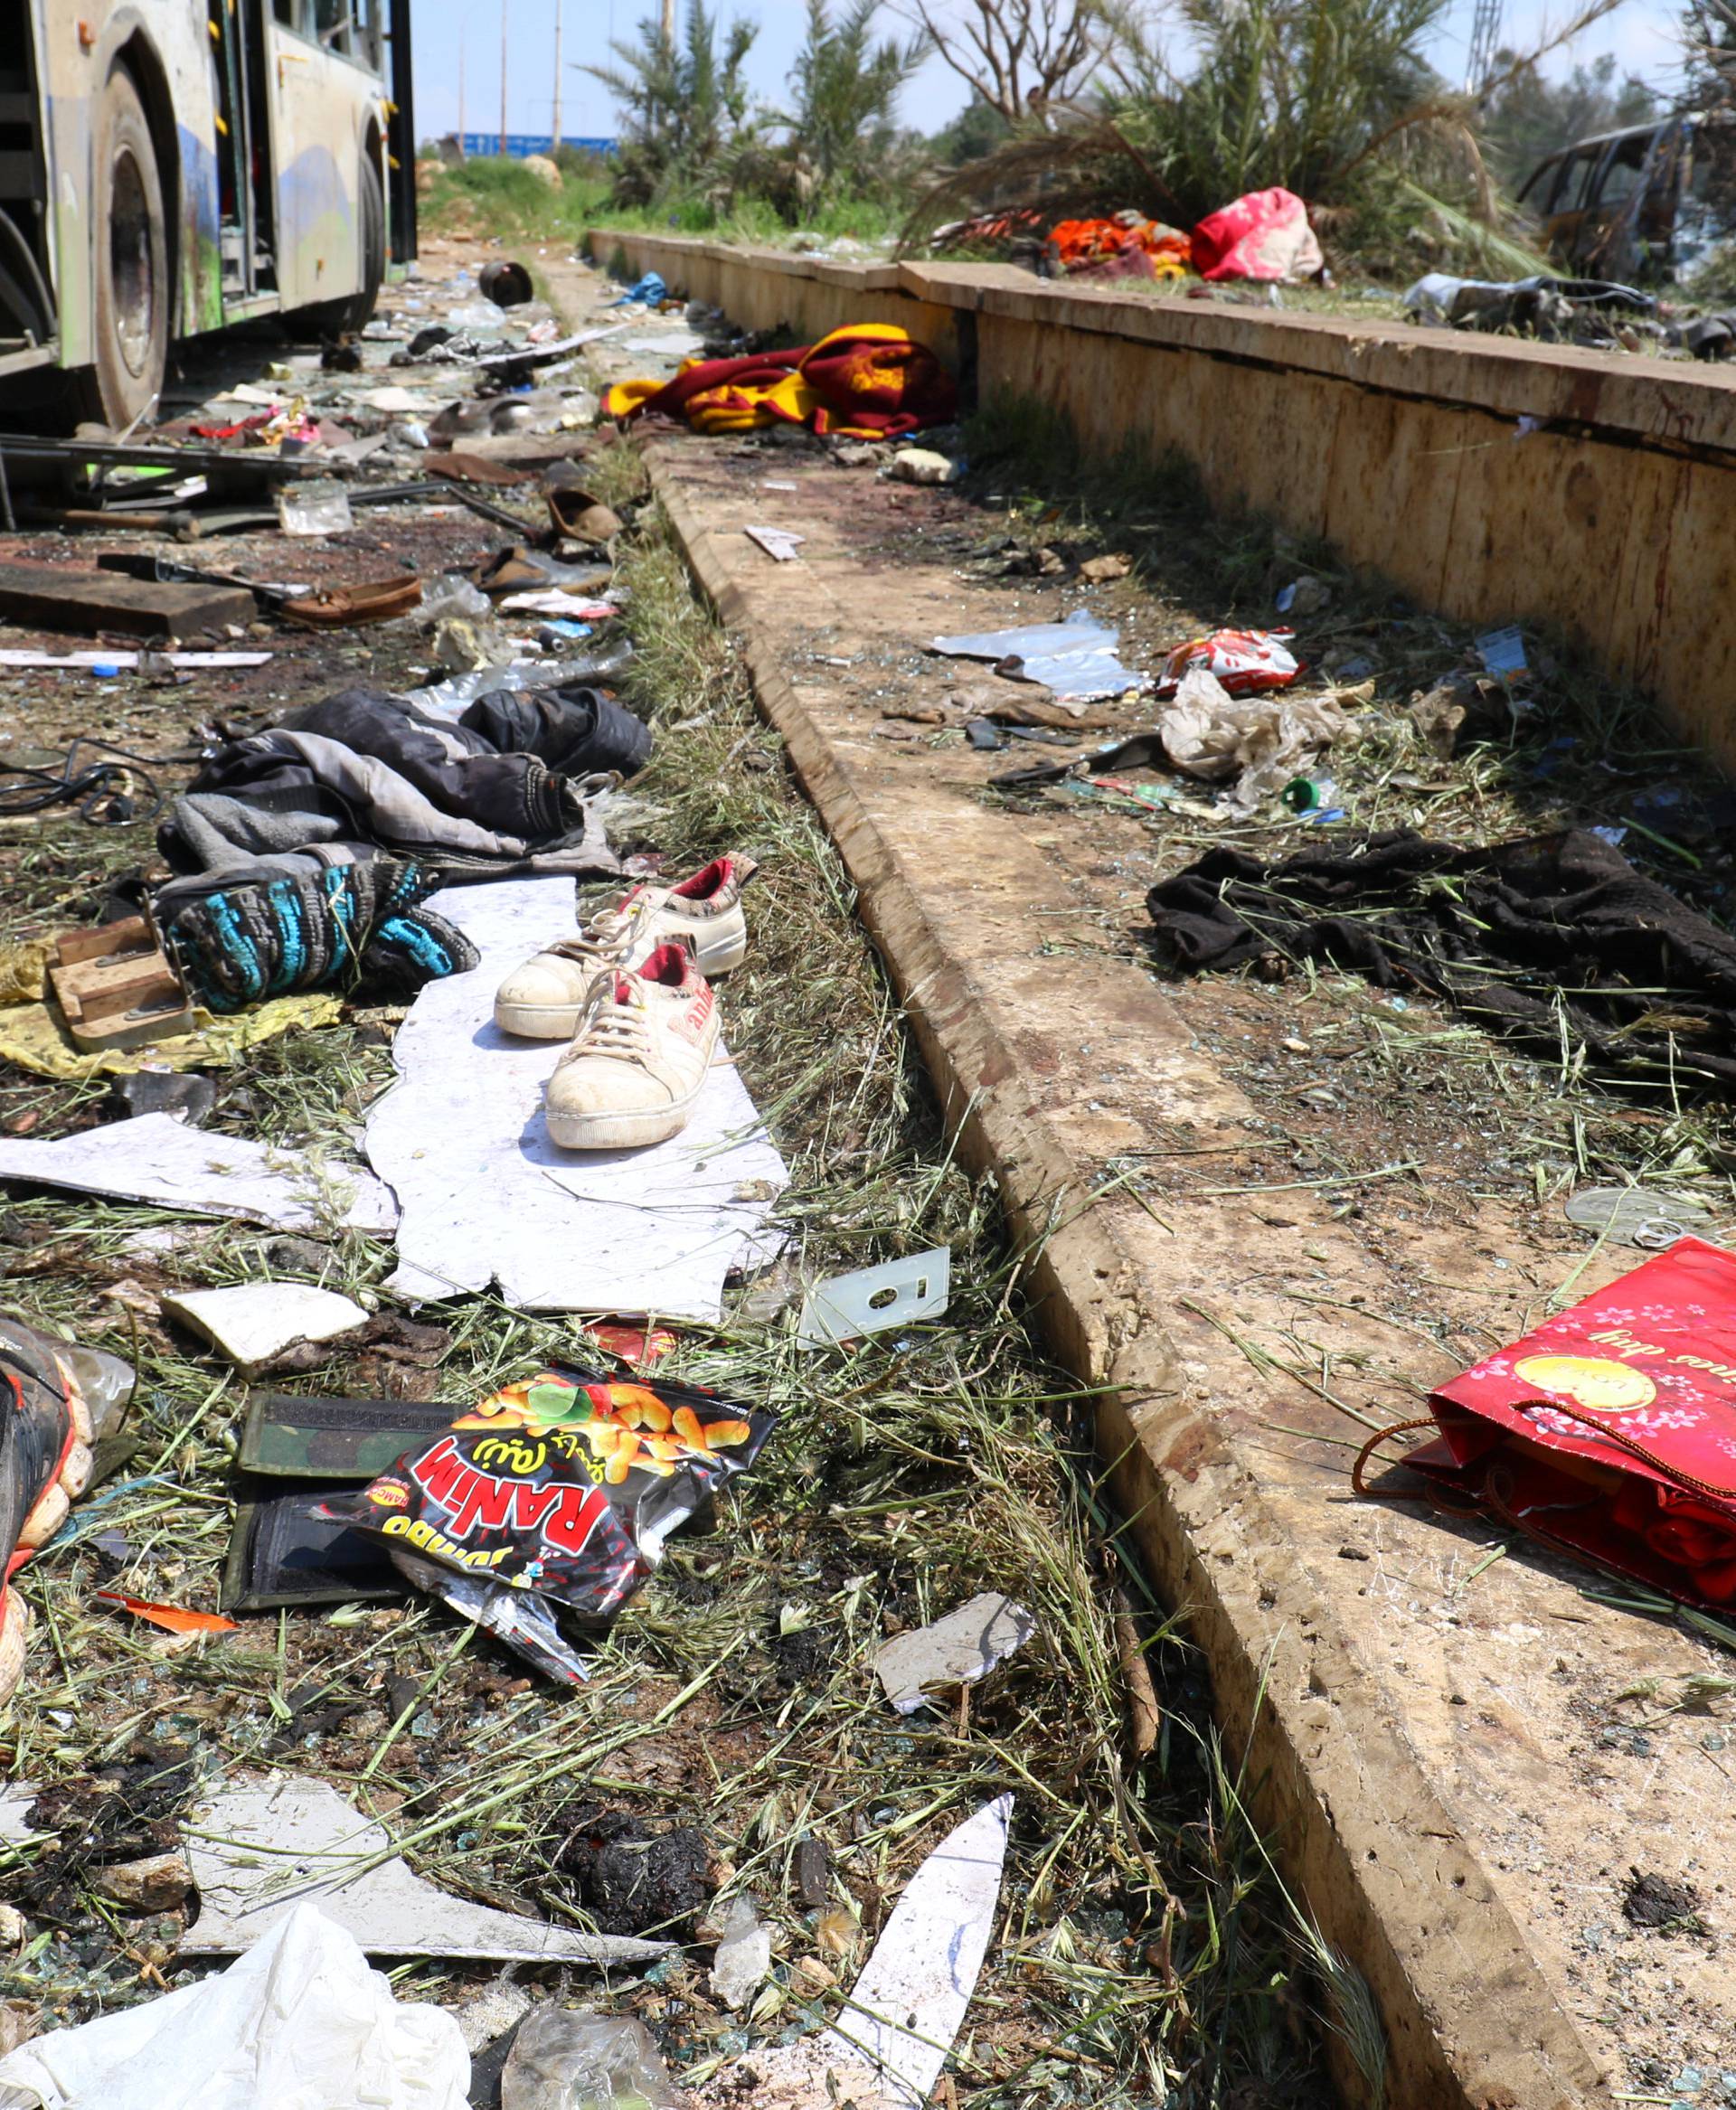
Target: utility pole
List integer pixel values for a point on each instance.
(555, 141)
(461, 145)
(503, 76)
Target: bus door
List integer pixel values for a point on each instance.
(324, 54)
(247, 193)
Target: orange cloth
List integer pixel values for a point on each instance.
(1126, 246)
(868, 380)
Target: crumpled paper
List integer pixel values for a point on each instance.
(1260, 741)
(32, 1036)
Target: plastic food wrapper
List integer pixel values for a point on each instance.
(555, 1495)
(1611, 1430)
(46, 1434)
(300, 2022)
(1260, 741)
(1243, 661)
(564, 2059)
(1074, 659)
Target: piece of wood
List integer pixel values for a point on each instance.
(57, 598)
(116, 987)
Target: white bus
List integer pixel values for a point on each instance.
(168, 168)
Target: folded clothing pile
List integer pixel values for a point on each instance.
(1126, 245)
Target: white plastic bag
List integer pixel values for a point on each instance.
(300, 2022)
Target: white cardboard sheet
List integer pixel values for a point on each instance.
(487, 1198)
(155, 1158)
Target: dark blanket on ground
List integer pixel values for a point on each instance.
(1518, 935)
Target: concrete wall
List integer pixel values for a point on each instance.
(1493, 480)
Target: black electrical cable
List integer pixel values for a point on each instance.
(102, 791)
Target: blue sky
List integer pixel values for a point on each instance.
(1641, 33)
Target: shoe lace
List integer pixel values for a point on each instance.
(607, 1027)
(607, 937)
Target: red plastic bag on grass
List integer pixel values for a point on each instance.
(1611, 1430)
(1265, 235)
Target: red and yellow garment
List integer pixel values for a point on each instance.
(1125, 246)
(869, 381)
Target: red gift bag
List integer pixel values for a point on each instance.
(1611, 1430)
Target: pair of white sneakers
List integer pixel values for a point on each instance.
(632, 992)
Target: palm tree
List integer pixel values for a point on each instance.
(685, 103)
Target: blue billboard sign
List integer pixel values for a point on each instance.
(518, 145)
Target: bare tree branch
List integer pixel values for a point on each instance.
(1017, 55)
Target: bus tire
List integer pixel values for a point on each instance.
(331, 318)
(130, 312)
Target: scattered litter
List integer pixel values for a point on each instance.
(1074, 658)
(556, 602)
(33, 1036)
(350, 608)
(283, 1552)
(173, 1618)
(1242, 662)
(923, 465)
(645, 292)
(1258, 740)
(1105, 571)
(778, 543)
(254, 1322)
(128, 663)
(265, 1844)
(896, 1293)
(743, 1955)
(115, 988)
(893, 2034)
(1610, 1430)
(957, 1650)
(312, 509)
(1633, 1217)
(300, 2021)
(557, 1494)
(1503, 653)
(633, 1344)
(158, 1159)
(653, 1231)
(576, 513)
(506, 283)
(182, 1095)
(292, 1435)
(1307, 595)
(63, 599)
(564, 2059)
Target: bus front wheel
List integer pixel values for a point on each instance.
(131, 317)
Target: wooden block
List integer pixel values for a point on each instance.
(116, 987)
(58, 597)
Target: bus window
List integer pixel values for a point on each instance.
(284, 11)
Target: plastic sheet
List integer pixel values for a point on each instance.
(1075, 659)
(299, 2023)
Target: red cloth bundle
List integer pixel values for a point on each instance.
(1611, 1430)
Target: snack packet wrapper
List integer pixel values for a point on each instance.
(565, 1485)
(1243, 661)
(1611, 1430)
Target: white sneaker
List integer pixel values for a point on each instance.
(638, 1058)
(542, 999)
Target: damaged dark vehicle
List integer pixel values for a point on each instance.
(1643, 204)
